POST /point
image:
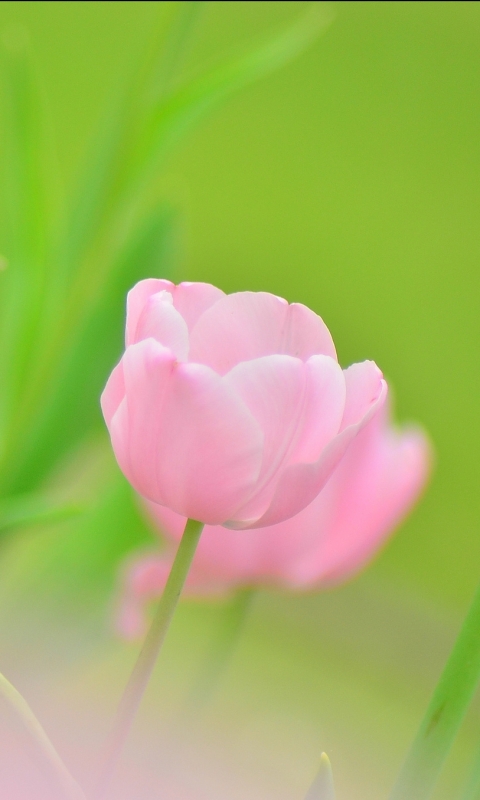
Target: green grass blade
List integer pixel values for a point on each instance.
(28, 200)
(445, 713)
(98, 194)
(72, 407)
(25, 170)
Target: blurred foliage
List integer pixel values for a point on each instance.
(347, 181)
(68, 272)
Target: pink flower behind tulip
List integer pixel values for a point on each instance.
(231, 409)
(375, 485)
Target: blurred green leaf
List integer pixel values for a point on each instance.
(59, 589)
(444, 715)
(28, 202)
(175, 115)
(99, 192)
(322, 787)
(73, 404)
(34, 509)
(165, 61)
(78, 567)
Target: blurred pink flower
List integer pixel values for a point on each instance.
(231, 409)
(375, 485)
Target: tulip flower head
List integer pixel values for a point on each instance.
(232, 409)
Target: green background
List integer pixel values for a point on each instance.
(349, 181)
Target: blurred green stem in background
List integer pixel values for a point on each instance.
(179, 33)
(143, 668)
(225, 641)
(445, 713)
(70, 788)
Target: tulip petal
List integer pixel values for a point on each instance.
(159, 320)
(273, 389)
(306, 334)
(147, 370)
(192, 300)
(298, 406)
(118, 429)
(389, 470)
(209, 446)
(323, 409)
(248, 325)
(363, 381)
(113, 393)
(299, 484)
(183, 437)
(136, 300)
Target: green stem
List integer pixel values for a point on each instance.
(70, 787)
(225, 641)
(445, 713)
(148, 655)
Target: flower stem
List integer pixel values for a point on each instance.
(444, 714)
(71, 789)
(143, 668)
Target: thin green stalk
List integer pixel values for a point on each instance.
(70, 787)
(472, 787)
(225, 641)
(143, 668)
(445, 713)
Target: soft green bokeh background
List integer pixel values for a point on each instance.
(349, 181)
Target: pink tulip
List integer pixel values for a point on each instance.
(231, 409)
(376, 483)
